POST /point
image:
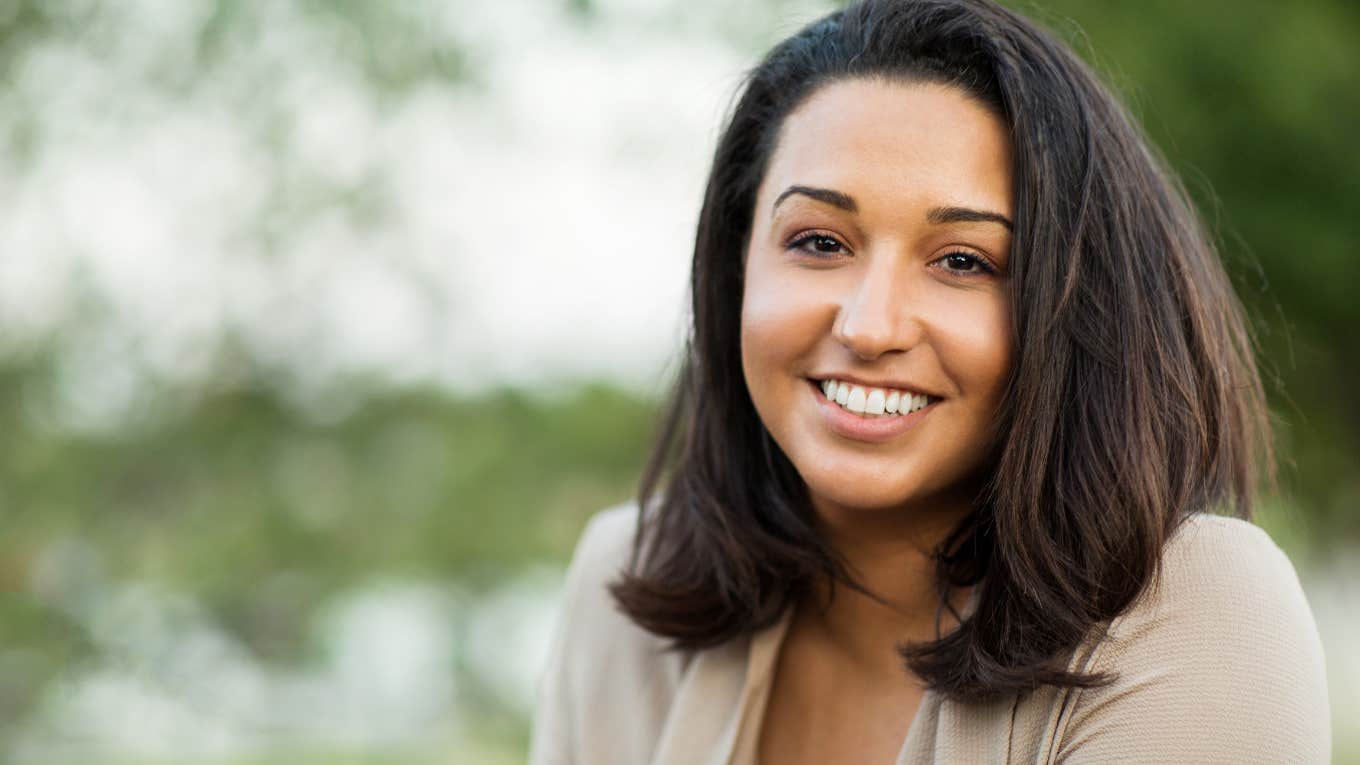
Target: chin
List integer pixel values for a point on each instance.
(859, 485)
(867, 491)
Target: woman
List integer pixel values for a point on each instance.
(965, 379)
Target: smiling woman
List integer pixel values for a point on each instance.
(966, 384)
(889, 281)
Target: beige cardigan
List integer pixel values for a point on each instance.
(1221, 663)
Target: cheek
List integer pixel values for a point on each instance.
(981, 348)
(782, 323)
(776, 324)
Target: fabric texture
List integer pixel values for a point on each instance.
(1219, 662)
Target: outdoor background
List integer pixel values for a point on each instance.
(325, 326)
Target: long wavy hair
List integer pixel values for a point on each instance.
(1134, 399)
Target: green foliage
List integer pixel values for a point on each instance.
(263, 512)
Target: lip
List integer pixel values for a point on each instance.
(874, 430)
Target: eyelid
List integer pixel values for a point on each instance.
(805, 233)
(985, 263)
(796, 241)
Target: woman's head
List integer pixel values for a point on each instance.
(1101, 384)
(878, 259)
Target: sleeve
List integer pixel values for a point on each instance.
(1220, 663)
(587, 669)
(550, 743)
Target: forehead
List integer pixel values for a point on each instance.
(897, 143)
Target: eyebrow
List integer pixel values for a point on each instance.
(829, 196)
(936, 215)
(967, 215)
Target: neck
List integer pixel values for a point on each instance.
(889, 553)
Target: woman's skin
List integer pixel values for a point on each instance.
(878, 254)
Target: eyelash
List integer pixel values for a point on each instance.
(977, 260)
(807, 237)
(799, 242)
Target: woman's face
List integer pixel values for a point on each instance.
(878, 259)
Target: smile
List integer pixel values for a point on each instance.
(873, 402)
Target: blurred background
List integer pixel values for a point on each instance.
(325, 326)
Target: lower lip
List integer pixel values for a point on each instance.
(871, 429)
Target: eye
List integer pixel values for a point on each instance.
(818, 245)
(965, 263)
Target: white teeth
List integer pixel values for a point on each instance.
(873, 401)
(874, 404)
(855, 402)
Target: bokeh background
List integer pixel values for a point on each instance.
(326, 324)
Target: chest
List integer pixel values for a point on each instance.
(820, 711)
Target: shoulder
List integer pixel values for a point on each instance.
(1207, 544)
(1225, 577)
(1218, 660)
(590, 618)
(602, 551)
(608, 683)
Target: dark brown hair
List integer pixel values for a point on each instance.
(1134, 398)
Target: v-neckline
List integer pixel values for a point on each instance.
(762, 659)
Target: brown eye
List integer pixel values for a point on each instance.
(818, 245)
(965, 263)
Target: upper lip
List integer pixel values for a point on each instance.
(854, 380)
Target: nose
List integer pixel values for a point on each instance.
(876, 316)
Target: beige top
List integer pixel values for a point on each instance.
(1220, 663)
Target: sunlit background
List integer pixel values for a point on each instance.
(325, 325)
